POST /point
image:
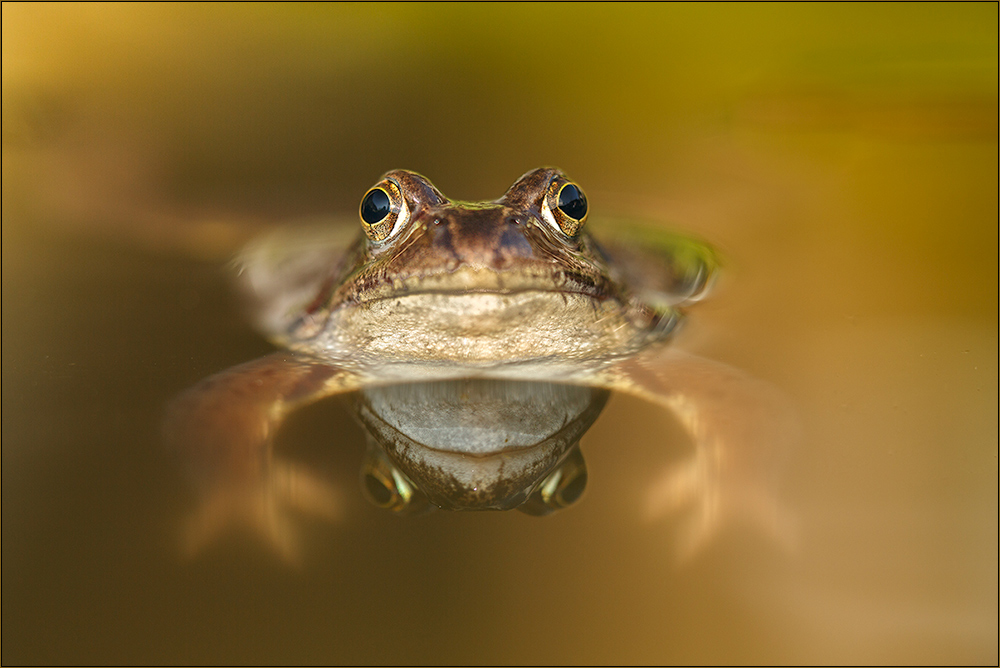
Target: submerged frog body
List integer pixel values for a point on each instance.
(436, 290)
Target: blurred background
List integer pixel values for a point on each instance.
(842, 157)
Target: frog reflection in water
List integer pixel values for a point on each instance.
(476, 443)
(510, 291)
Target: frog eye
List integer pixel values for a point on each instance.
(565, 207)
(389, 488)
(561, 488)
(383, 211)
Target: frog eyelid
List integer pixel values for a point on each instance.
(548, 217)
(402, 216)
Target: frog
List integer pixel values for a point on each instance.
(434, 290)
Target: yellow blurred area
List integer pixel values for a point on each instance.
(843, 157)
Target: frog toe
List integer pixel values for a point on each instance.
(261, 509)
(710, 507)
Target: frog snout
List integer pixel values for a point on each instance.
(497, 241)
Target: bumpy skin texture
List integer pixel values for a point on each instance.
(441, 289)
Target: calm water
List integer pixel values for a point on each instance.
(850, 180)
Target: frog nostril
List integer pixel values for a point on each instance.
(513, 220)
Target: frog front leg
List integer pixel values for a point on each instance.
(742, 428)
(223, 429)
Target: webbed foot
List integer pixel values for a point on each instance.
(741, 427)
(222, 428)
(708, 503)
(262, 508)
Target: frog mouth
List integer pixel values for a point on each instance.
(471, 281)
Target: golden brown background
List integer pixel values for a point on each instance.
(843, 157)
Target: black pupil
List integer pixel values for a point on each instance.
(572, 202)
(375, 206)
